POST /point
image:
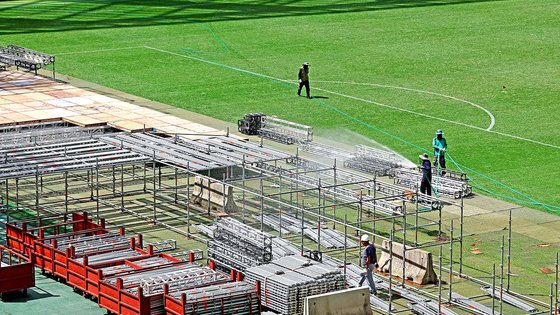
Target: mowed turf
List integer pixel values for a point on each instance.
(391, 71)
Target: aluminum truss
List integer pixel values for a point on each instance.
(21, 57)
(238, 150)
(508, 298)
(284, 131)
(62, 157)
(237, 298)
(233, 238)
(365, 159)
(163, 245)
(328, 151)
(329, 238)
(38, 136)
(165, 150)
(286, 282)
(448, 186)
(182, 280)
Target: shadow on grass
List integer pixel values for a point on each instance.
(49, 16)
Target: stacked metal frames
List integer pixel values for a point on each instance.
(284, 283)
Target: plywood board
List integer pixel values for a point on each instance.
(146, 112)
(19, 118)
(129, 125)
(156, 123)
(172, 119)
(79, 100)
(124, 115)
(84, 121)
(40, 115)
(5, 120)
(40, 96)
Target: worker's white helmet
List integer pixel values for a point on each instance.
(365, 238)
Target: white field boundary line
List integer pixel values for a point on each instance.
(319, 89)
(353, 97)
(328, 91)
(97, 50)
(492, 118)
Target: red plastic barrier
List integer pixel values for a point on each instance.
(174, 306)
(87, 277)
(21, 239)
(15, 276)
(118, 300)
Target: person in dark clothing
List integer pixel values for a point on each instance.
(426, 183)
(369, 262)
(303, 79)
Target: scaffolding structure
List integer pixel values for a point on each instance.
(25, 58)
(151, 179)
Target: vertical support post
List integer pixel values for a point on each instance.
(509, 253)
(345, 242)
(374, 209)
(297, 177)
(302, 225)
(334, 196)
(208, 189)
(36, 191)
(450, 261)
(391, 236)
(461, 225)
(145, 170)
(493, 288)
(440, 274)
(551, 299)
(97, 187)
(404, 226)
(359, 224)
(502, 276)
(262, 204)
(319, 216)
(556, 288)
(114, 180)
(280, 200)
(176, 184)
(90, 182)
(224, 192)
(7, 197)
(416, 217)
(188, 199)
(66, 192)
(243, 189)
(122, 187)
(154, 188)
(159, 176)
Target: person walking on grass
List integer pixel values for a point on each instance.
(369, 262)
(440, 146)
(426, 183)
(303, 79)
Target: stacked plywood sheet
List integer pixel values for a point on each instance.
(26, 98)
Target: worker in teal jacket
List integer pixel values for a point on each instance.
(440, 146)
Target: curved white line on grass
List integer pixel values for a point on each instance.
(492, 118)
(346, 96)
(97, 50)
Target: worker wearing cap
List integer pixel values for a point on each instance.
(303, 78)
(440, 146)
(369, 262)
(426, 183)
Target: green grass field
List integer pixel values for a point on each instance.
(394, 71)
